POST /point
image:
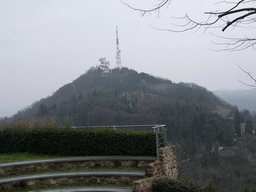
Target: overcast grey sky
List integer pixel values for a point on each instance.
(45, 44)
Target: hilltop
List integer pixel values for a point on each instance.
(123, 96)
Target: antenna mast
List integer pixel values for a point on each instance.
(118, 52)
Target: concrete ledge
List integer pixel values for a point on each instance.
(77, 159)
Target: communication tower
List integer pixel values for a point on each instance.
(118, 52)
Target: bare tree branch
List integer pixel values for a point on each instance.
(251, 77)
(240, 16)
(236, 44)
(157, 8)
(237, 19)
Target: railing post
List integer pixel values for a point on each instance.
(157, 144)
(165, 135)
(160, 129)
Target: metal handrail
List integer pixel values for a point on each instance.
(115, 126)
(158, 128)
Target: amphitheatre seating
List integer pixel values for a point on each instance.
(71, 162)
(125, 177)
(142, 181)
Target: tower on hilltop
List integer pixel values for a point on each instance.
(118, 52)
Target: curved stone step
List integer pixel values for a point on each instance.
(73, 174)
(110, 177)
(77, 159)
(88, 189)
(18, 168)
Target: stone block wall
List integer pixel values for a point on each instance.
(165, 167)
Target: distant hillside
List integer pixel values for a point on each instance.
(128, 97)
(121, 92)
(243, 99)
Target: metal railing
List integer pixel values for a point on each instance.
(119, 127)
(158, 129)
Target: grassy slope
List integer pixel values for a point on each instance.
(221, 111)
(14, 157)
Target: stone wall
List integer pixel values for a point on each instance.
(165, 167)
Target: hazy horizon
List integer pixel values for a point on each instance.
(46, 44)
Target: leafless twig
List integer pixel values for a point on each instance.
(251, 77)
(236, 16)
(157, 8)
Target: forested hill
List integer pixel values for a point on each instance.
(122, 97)
(198, 122)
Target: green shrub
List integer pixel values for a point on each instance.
(71, 142)
(182, 185)
(247, 190)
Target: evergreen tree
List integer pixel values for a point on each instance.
(237, 122)
(42, 111)
(248, 127)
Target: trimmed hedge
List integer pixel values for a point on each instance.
(162, 185)
(71, 142)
